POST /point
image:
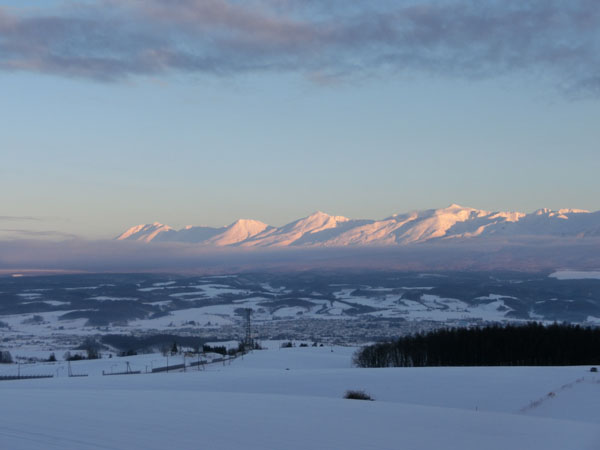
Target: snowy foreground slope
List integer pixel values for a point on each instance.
(292, 399)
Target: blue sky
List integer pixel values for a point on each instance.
(109, 124)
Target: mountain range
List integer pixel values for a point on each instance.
(323, 230)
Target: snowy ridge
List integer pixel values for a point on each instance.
(145, 233)
(238, 231)
(321, 229)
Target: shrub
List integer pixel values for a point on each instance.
(33, 320)
(93, 353)
(357, 395)
(5, 357)
(92, 348)
(222, 350)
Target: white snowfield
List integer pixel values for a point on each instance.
(280, 399)
(576, 275)
(385, 302)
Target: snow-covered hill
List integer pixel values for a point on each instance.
(321, 229)
(291, 398)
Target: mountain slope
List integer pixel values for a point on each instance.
(291, 233)
(321, 229)
(239, 231)
(146, 233)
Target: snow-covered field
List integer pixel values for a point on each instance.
(576, 275)
(291, 398)
(356, 308)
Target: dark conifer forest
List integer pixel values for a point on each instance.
(510, 345)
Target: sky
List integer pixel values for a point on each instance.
(120, 112)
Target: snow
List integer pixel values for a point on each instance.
(55, 302)
(215, 290)
(494, 297)
(145, 233)
(576, 275)
(82, 288)
(417, 288)
(49, 320)
(207, 291)
(30, 295)
(321, 229)
(292, 311)
(231, 421)
(164, 283)
(182, 317)
(238, 231)
(292, 233)
(291, 398)
(201, 303)
(429, 307)
(106, 298)
(280, 290)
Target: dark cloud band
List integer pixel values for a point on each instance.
(18, 218)
(112, 40)
(37, 233)
(531, 254)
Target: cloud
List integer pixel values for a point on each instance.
(112, 40)
(38, 233)
(18, 218)
(77, 255)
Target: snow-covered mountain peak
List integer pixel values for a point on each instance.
(319, 221)
(144, 232)
(432, 224)
(238, 231)
(247, 223)
(456, 206)
(561, 213)
(322, 229)
(508, 216)
(293, 233)
(572, 211)
(461, 211)
(320, 215)
(248, 226)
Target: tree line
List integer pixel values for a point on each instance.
(533, 344)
